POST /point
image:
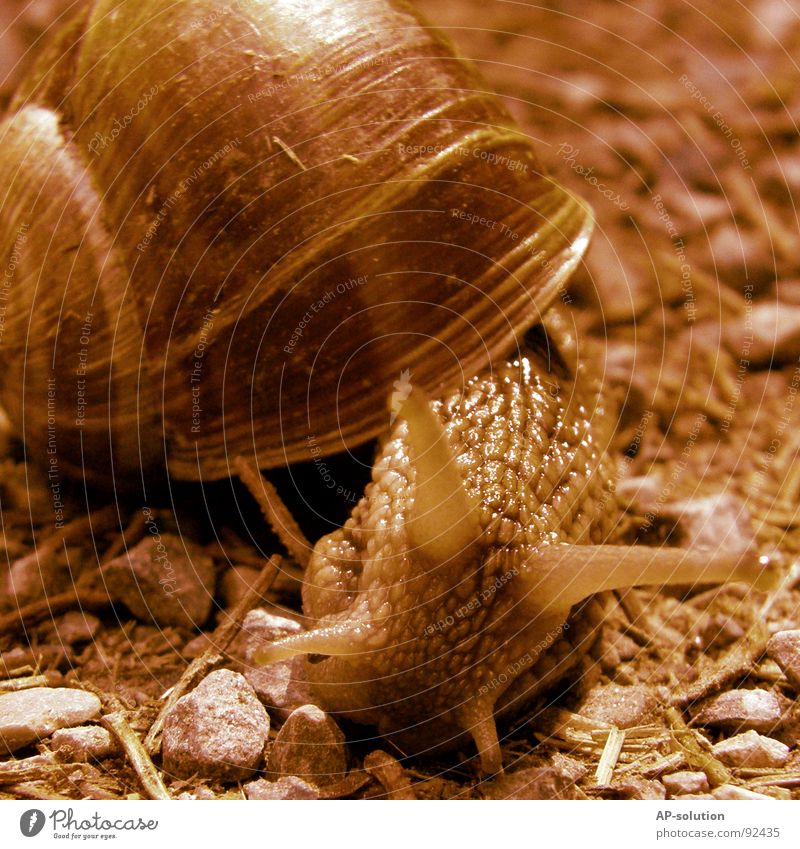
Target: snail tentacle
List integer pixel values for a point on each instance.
(556, 577)
(339, 640)
(444, 521)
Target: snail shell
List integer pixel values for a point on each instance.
(486, 523)
(232, 226)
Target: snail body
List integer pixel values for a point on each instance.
(233, 225)
(488, 521)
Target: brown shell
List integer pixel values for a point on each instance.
(233, 227)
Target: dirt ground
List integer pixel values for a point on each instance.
(678, 123)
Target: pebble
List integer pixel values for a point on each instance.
(784, 649)
(533, 783)
(261, 627)
(202, 793)
(288, 787)
(281, 686)
(219, 730)
(77, 627)
(624, 707)
(164, 579)
(569, 767)
(30, 715)
(84, 743)
(731, 791)
(720, 520)
(309, 745)
(742, 710)
(679, 783)
(642, 788)
(776, 333)
(751, 750)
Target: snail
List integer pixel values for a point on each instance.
(484, 529)
(228, 227)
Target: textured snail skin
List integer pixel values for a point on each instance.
(242, 222)
(485, 524)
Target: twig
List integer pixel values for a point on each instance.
(37, 768)
(669, 763)
(13, 685)
(275, 511)
(152, 784)
(219, 641)
(76, 531)
(46, 608)
(124, 539)
(36, 792)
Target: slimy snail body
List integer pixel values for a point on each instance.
(488, 520)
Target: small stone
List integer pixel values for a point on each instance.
(281, 686)
(624, 707)
(741, 710)
(262, 627)
(533, 783)
(570, 768)
(77, 627)
(784, 649)
(288, 787)
(30, 715)
(219, 730)
(202, 793)
(730, 791)
(309, 745)
(716, 521)
(733, 248)
(751, 750)
(259, 628)
(679, 783)
(164, 579)
(82, 744)
(624, 645)
(642, 788)
(775, 330)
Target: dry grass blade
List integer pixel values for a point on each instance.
(686, 741)
(13, 685)
(47, 608)
(610, 756)
(275, 511)
(37, 768)
(136, 753)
